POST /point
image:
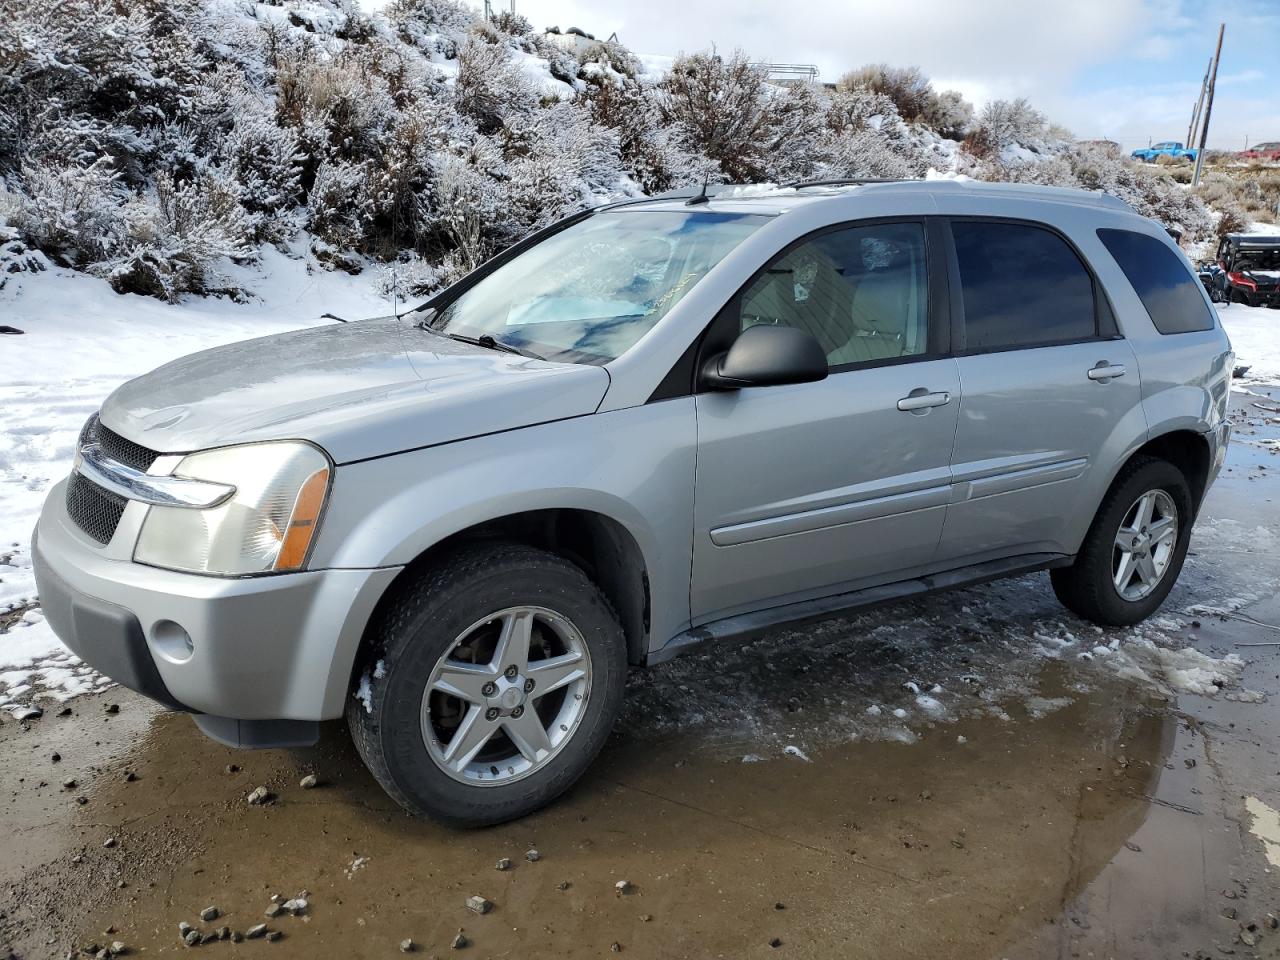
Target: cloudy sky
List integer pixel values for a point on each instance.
(1127, 70)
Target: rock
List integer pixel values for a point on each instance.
(64, 712)
(113, 708)
(615, 947)
(309, 782)
(273, 936)
(776, 942)
(233, 768)
(209, 913)
(479, 905)
(27, 712)
(236, 936)
(191, 938)
(224, 933)
(1130, 845)
(459, 941)
(69, 784)
(563, 885)
(1229, 912)
(259, 796)
(1272, 922)
(296, 906)
(645, 918)
(926, 795)
(117, 948)
(273, 911)
(209, 937)
(184, 928)
(533, 856)
(276, 898)
(130, 776)
(407, 946)
(779, 906)
(622, 888)
(109, 842)
(503, 864)
(256, 931)
(82, 800)
(55, 758)
(1248, 939)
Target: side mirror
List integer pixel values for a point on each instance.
(766, 355)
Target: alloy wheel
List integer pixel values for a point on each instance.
(506, 696)
(1144, 545)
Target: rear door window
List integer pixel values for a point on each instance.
(1022, 286)
(1161, 280)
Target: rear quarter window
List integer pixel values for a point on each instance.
(1161, 280)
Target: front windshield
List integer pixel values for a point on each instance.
(587, 293)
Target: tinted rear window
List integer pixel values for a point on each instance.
(1022, 286)
(1162, 281)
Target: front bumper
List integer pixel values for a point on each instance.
(261, 648)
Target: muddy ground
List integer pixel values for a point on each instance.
(972, 775)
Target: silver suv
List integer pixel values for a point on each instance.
(654, 424)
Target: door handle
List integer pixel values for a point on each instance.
(1105, 371)
(920, 399)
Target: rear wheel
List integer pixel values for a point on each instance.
(494, 684)
(1135, 547)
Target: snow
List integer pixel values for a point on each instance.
(82, 340)
(1255, 337)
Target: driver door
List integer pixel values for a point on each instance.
(812, 489)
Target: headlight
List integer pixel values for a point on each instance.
(267, 526)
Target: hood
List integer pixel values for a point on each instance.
(359, 390)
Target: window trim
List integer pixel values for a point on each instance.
(1104, 323)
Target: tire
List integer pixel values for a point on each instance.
(469, 593)
(1088, 586)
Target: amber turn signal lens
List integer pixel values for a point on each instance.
(302, 522)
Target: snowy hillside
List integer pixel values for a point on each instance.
(152, 144)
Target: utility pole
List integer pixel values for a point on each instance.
(1208, 108)
(1195, 113)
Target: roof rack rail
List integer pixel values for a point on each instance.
(843, 182)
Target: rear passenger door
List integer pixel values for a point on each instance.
(1050, 392)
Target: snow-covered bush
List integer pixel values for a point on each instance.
(726, 111)
(179, 236)
(1004, 123)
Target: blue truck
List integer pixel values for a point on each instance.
(1168, 148)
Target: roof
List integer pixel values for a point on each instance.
(1253, 239)
(774, 199)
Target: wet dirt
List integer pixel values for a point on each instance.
(1028, 801)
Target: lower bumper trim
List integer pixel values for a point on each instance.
(258, 734)
(104, 635)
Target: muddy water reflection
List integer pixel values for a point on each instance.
(965, 841)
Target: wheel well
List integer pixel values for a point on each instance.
(1186, 450)
(604, 549)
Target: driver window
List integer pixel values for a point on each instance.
(861, 292)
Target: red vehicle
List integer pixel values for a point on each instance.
(1263, 151)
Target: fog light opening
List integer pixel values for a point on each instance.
(172, 641)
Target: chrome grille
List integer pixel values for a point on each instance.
(95, 511)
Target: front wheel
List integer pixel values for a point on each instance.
(492, 684)
(1134, 549)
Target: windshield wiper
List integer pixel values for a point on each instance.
(490, 342)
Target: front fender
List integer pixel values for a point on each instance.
(635, 466)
